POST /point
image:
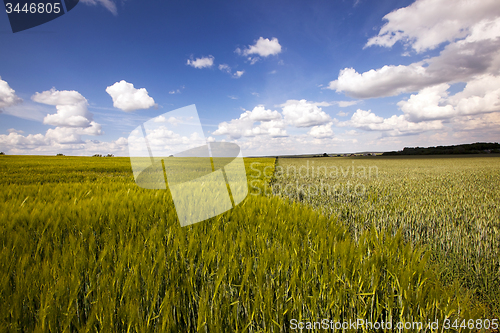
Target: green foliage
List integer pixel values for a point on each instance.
(83, 249)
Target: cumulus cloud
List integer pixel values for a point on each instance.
(69, 116)
(322, 131)
(271, 123)
(108, 4)
(393, 126)
(425, 24)
(56, 97)
(480, 95)
(54, 142)
(262, 47)
(486, 124)
(427, 104)
(476, 53)
(263, 145)
(304, 114)
(8, 95)
(16, 140)
(71, 108)
(72, 120)
(201, 62)
(127, 98)
(458, 62)
(164, 141)
(72, 135)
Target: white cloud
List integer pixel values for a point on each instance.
(344, 104)
(71, 108)
(72, 135)
(72, 120)
(259, 113)
(480, 95)
(322, 131)
(304, 114)
(16, 140)
(426, 104)
(238, 74)
(266, 146)
(253, 60)
(108, 4)
(8, 95)
(61, 139)
(201, 62)
(458, 62)
(477, 53)
(393, 126)
(170, 120)
(271, 123)
(163, 141)
(56, 97)
(232, 97)
(13, 130)
(75, 115)
(127, 98)
(342, 113)
(225, 68)
(176, 91)
(486, 124)
(262, 47)
(425, 24)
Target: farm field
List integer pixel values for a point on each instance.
(84, 249)
(450, 205)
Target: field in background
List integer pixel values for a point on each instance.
(83, 249)
(448, 204)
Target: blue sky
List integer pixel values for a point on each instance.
(276, 77)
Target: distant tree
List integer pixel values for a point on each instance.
(97, 155)
(171, 156)
(2, 153)
(60, 154)
(110, 155)
(325, 155)
(471, 148)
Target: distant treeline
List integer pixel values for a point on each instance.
(471, 148)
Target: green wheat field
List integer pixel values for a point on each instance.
(393, 239)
